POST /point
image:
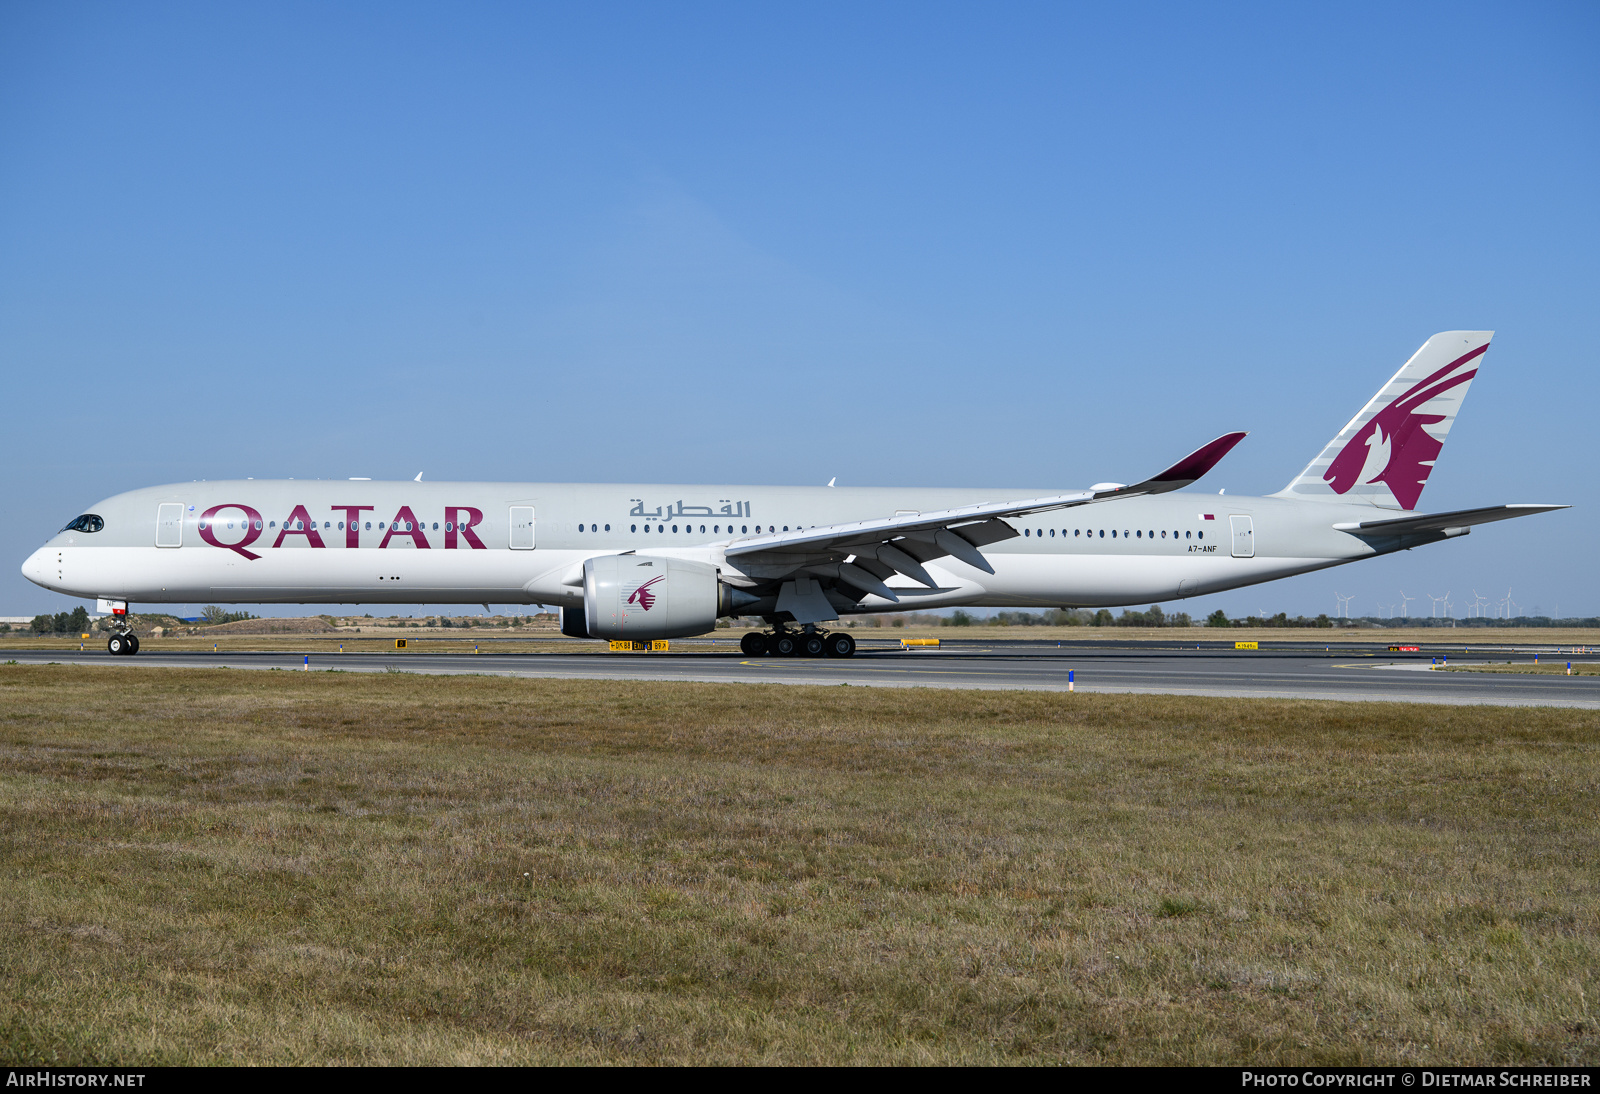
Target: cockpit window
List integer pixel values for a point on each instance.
(89, 522)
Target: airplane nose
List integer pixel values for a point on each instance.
(36, 567)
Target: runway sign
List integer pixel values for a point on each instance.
(399, 643)
(1405, 649)
(1246, 646)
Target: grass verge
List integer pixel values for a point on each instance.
(222, 867)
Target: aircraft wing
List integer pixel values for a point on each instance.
(1438, 522)
(864, 553)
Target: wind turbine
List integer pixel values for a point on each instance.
(1405, 604)
(1437, 600)
(1344, 605)
(1478, 601)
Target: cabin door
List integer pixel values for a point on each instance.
(1244, 537)
(522, 527)
(169, 525)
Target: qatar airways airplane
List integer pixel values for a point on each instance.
(651, 561)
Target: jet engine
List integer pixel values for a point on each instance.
(643, 597)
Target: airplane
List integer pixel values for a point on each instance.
(647, 562)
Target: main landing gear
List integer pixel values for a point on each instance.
(123, 644)
(808, 642)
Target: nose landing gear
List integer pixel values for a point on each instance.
(123, 642)
(808, 643)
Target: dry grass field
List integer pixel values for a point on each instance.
(230, 867)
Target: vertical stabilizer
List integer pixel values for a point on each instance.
(1384, 455)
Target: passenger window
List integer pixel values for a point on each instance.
(435, 526)
(1139, 534)
(702, 528)
(674, 527)
(341, 526)
(369, 526)
(1027, 531)
(1113, 533)
(580, 527)
(449, 526)
(744, 528)
(1052, 533)
(1202, 535)
(608, 527)
(633, 527)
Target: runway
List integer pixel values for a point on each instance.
(1294, 671)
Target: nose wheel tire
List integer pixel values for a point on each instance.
(122, 645)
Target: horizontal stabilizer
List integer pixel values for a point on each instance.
(1438, 522)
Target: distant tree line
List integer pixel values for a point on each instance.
(1219, 618)
(214, 615)
(74, 622)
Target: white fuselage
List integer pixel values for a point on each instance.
(359, 542)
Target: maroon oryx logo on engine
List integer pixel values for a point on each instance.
(642, 596)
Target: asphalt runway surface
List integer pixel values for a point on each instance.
(1292, 671)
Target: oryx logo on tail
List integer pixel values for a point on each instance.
(1385, 454)
(1395, 447)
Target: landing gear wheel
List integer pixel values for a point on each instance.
(133, 644)
(753, 644)
(781, 645)
(117, 645)
(812, 645)
(841, 645)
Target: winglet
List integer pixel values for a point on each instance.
(1185, 471)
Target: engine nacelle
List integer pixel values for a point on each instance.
(645, 596)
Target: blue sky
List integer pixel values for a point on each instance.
(1041, 245)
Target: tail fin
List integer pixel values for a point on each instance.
(1383, 457)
